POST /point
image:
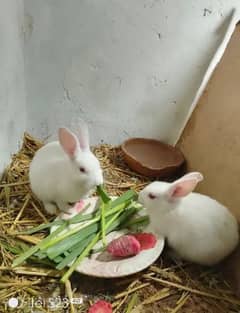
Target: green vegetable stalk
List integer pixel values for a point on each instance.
(64, 246)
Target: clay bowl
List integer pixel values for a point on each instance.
(152, 158)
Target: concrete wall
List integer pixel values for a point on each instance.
(130, 68)
(12, 93)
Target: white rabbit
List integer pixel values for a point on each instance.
(62, 172)
(198, 228)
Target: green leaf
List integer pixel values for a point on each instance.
(21, 258)
(103, 194)
(70, 241)
(118, 208)
(80, 217)
(75, 252)
(141, 222)
(40, 254)
(17, 249)
(133, 301)
(103, 222)
(41, 227)
(87, 250)
(80, 258)
(43, 245)
(58, 259)
(129, 195)
(64, 245)
(38, 261)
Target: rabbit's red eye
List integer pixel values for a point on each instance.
(82, 169)
(151, 195)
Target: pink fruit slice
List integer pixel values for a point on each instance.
(101, 306)
(146, 240)
(124, 246)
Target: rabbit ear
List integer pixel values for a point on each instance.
(68, 142)
(83, 136)
(80, 128)
(183, 186)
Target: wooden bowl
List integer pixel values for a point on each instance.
(152, 158)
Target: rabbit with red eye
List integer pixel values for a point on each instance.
(62, 172)
(198, 228)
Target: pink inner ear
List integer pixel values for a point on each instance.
(183, 187)
(68, 141)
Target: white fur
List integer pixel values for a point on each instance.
(198, 228)
(55, 175)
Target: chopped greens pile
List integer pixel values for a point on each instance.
(71, 245)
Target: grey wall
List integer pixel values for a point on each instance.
(12, 93)
(130, 68)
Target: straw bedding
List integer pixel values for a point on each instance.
(168, 286)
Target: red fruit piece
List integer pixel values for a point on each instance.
(124, 246)
(146, 240)
(101, 306)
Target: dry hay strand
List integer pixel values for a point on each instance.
(168, 286)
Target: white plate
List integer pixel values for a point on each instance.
(102, 264)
